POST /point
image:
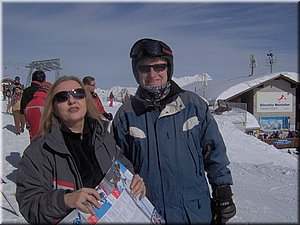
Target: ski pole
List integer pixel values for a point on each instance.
(9, 203)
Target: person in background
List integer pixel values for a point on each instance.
(60, 169)
(4, 88)
(16, 83)
(16, 106)
(90, 83)
(9, 96)
(35, 108)
(172, 140)
(127, 97)
(111, 99)
(37, 78)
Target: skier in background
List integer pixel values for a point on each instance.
(111, 99)
(35, 108)
(90, 84)
(15, 102)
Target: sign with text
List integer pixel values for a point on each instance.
(274, 102)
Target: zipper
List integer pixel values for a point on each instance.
(76, 170)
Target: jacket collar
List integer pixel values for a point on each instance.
(140, 106)
(35, 82)
(54, 139)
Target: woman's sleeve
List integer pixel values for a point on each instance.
(124, 160)
(38, 201)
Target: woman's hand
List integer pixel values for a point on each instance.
(137, 186)
(83, 199)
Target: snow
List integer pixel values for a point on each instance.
(190, 79)
(238, 88)
(231, 86)
(265, 178)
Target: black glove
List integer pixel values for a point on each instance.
(223, 207)
(108, 116)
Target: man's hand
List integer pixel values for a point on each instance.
(223, 207)
(137, 186)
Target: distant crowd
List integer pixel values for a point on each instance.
(279, 135)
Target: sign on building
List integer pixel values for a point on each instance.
(274, 123)
(274, 102)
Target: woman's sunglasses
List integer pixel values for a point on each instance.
(63, 96)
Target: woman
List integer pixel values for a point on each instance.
(68, 158)
(15, 104)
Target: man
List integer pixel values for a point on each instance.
(172, 139)
(111, 99)
(35, 108)
(90, 84)
(37, 78)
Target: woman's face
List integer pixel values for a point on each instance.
(18, 90)
(70, 104)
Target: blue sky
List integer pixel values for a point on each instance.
(95, 38)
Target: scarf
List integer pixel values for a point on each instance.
(154, 95)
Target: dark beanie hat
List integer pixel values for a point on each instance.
(39, 76)
(151, 48)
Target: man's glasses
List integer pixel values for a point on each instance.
(156, 67)
(63, 96)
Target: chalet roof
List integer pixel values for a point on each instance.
(229, 87)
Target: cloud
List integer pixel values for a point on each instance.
(96, 38)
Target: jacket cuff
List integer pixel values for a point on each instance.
(222, 193)
(61, 200)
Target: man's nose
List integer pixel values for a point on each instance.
(152, 72)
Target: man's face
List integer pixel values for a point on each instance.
(152, 72)
(91, 86)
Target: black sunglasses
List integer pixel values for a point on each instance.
(63, 96)
(156, 67)
(149, 48)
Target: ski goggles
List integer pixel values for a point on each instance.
(149, 48)
(63, 96)
(156, 67)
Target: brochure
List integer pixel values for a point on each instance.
(117, 205)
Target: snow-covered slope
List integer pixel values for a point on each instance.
(265, 178)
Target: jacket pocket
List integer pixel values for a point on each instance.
(191, 130)
(136, 139)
